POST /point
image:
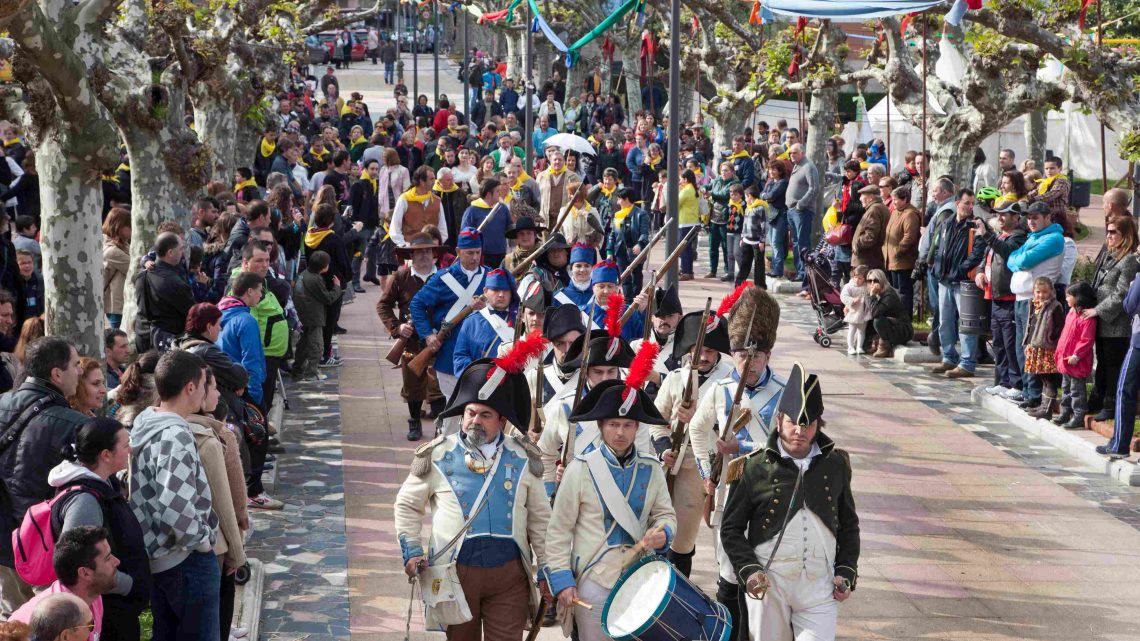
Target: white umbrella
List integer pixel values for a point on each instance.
(570, 142)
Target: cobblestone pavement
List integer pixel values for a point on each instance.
(952, 399)
(303, 545)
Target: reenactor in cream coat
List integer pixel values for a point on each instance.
(612, 503)
(489, 511)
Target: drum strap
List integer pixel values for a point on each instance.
(612, 497)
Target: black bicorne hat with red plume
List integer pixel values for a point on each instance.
(624, 399)
(499, 383)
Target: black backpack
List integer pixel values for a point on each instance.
(476, 77)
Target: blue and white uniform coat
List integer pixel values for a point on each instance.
(437, 301)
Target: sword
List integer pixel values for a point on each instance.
(763, 587)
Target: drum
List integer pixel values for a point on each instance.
(651, 601)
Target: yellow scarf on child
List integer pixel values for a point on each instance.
(267, 148)
(620, 215)
(1043, 184)
(315, 235)
(243, 184)
(608, 192)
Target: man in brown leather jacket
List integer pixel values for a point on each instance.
(408, 280)
(795, 582)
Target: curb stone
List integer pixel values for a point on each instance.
(248, 600)
(1123, 471)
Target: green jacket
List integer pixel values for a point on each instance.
(761, 488)
(270, 317)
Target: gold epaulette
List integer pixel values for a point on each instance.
(736, 466)
(421, 464)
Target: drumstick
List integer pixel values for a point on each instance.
(583, 604)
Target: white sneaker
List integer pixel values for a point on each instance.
(859, 351)
(850, 351)
(1013, 395)
(996, 390)
(264, 502)
(238, 633)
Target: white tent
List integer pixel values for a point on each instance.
(1070, 134)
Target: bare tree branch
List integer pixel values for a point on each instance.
(341, 20)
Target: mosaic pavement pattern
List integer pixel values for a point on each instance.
(951, 398)
(303, 545)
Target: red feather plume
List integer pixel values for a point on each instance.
(613, 314)
(642, 365)
(526, 348)
(730, 300)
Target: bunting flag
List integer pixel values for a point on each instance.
(843, 10)
(906, 23)
(754, 17)
(956, 13)
(493, 16)
(571, 51)
(608, 49)
(1085, 4)
(696, 28)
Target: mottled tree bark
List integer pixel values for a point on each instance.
(730, 114)
(629, 49)
(1035, 134)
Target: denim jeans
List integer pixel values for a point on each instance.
(1030, 384)
(801, 222)
(690, 253)
(1003, 326)
(949, 301)
(932, 287)
(901, 281)
(718, 239)
(389, 72)
(1126, 403)
(186, 600)
(778, 241)
(731, 247)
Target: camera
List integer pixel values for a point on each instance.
(241, 577)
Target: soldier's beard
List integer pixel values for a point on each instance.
(476, 435)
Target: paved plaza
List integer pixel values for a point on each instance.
(971, 529)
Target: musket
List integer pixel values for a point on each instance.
(419, 364)
(395, 355)
(731, 426)
(490, 215)
(525, 264)
(669, 261)
(537, 418)
(536, 624)
(568, 442)
(647, 330)
(677, 438)
(643, 255)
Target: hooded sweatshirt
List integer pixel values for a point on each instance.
(85, 508)
(170, 494)
(241, 340)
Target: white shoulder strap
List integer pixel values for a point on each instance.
(505, 333)
(464, 295)
(616, 502)
(562, 298)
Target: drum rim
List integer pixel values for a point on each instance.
(660, 606)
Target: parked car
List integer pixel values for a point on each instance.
(359, 50)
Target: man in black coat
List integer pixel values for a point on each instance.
(35, 423)
(801, 470)
(365, 210)
(321, 237)
(164, 294)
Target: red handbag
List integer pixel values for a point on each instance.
(841, 234)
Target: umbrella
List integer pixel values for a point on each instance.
(570, 142)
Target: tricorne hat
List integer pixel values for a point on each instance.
(802, 399)
(666, 302)
(499, 383)
(522, 224)
(623, 399)
(561, 319)
(716, 328)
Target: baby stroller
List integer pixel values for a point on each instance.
(824, 296)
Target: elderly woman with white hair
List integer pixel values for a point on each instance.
(890, 320)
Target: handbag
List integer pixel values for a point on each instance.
(841, 234)
(440, 589)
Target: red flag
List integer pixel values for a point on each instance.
(1085, 4)
(974, 4)
(696, 28)
(754, 17)
(905, 23)
(608, 49)
(801, 24)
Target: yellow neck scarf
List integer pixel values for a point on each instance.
(11, 141)
(371, 181)
(453, 130)
(523, 177)
(413, 197)
(320, 156)
(1004, 199)
(1043, 184)
(314, 236)
(620, 216)
(440, 188)
(359, 140)
(739, 154)
(653, 164)
(608, 192)
(123, 167)
(783, 156)
(267, 148)
(243, 184)
(480, 203)
(557, 172)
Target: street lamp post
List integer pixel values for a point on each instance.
(416, 55)
(463, 73)
(529, 117)
(435, 45)
(672, 193)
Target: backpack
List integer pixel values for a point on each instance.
(475, 79)
(34, 541)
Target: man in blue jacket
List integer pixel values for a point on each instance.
(605, 283)
(494, 248)
(508, 97)
(956, 256)
(742, 164)
(240, 337)
(628, 237)
(483, 332)
(443, 296)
